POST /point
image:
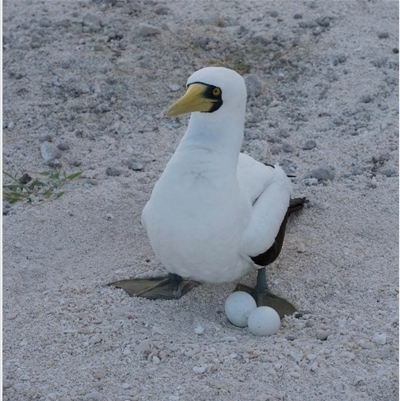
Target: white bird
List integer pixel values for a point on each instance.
(215, 214)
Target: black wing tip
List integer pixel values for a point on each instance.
(296, 204)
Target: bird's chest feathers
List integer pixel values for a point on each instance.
(195, 191)
(199, 201)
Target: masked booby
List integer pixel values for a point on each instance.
(215, 214)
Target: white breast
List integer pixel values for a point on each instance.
(195, 222)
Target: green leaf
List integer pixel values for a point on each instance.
(55, 175)
(48, 192)
(45, 188)
(73, 175)
(12, 177)
(13, 186)
(13, 197)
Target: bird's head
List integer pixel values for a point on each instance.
(209, 90)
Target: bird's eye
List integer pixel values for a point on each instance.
(216, 92)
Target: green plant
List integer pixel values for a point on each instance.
(23, 188)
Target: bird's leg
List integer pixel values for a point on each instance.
(260, 292)
(264, 297)
(171, 286)
(261, 283)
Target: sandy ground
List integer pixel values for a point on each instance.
(93, 79)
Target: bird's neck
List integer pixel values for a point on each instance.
(210, 138)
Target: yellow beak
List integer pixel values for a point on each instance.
(192, 100)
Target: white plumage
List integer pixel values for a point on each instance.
(213, 207)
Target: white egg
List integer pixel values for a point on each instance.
(238, 307)
(264, 321)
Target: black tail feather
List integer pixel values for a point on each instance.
(296, 204)
(272, 253)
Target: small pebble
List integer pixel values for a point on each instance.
(358, 380)
(262, 37)
(25, 178)
(7, 383)
(35, 44)
(275, 149)
(366, 99)
(199, 330)
(63, 146)
(100, 374)
(143, 346)
(252, 134)
(356, 171)
(230, 339)
(45, 23)
(113, 172)
(91, 23)
(136, 165)
(174, 87)
(322, 335)
(383, 35)
(93, 396)
(49, 151)
(103, 107)
(162, 10)
(388, 172)
(385, 353)
(54, 163)
(310, 144)
(253, 85)
(379, 338)
(158, 330)
(391, 80)
(347, 355)
(275, 103)
(199, 369)
(310, 181)
(148, 30)
(298, 16)
(339, 59)
(324, 22)
(287, 148)
(322, 174)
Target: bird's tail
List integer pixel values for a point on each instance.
(296, 204)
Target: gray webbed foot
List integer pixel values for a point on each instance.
(263, 297)
(171, 286)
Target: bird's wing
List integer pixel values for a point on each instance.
(253, 176)
(269, 190)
